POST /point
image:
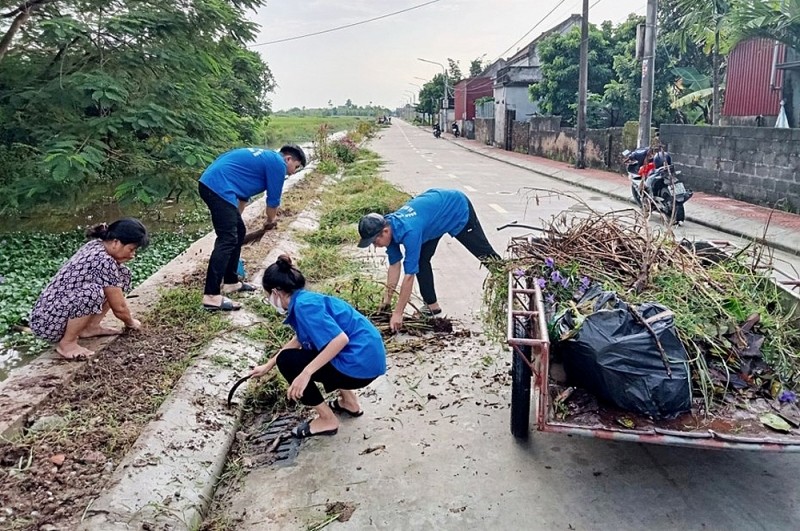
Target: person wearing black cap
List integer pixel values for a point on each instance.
(418, 226)
(226, 186)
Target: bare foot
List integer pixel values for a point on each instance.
(349, 400)
(73, 352)
(317, 425)
(99, 331)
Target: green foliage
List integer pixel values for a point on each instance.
(774, 19)
(139, 94)
(356, 196)
(282, 129)
(30, 260)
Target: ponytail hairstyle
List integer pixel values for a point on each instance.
(283, 276)
(126, 230)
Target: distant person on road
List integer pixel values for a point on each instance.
(333, 345)
(418, 226)
(226, 186)
(89, 284)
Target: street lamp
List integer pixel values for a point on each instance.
(444, 75)
(413, 96)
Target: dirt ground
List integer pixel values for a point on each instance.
(51, 474)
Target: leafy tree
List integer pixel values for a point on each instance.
(774, 19)
(707, 24)
(476, 66)
(138, 94)
(454, 72)
(557, 93)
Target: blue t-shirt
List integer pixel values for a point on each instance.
(318, 318)
(426, 217)
(242, 173)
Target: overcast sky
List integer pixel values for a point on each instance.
(376, 62)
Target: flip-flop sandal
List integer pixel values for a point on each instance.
(244, 288)
(335, 406)
(303, 431)
(226, 306)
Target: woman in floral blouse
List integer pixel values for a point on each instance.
(89, 284)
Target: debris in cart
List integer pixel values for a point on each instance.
(738, 324)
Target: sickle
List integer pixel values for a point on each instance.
(236, 386)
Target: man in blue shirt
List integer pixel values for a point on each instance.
(226, 186)
(418, 226)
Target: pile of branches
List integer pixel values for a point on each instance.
(729, 315)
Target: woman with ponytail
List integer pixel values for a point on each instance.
(333, 345)
(89, 284)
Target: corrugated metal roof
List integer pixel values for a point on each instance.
(748, 91)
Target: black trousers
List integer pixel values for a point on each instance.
(472, 237)
(291, 363)
(230, 230)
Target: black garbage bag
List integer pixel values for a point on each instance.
(612, 354)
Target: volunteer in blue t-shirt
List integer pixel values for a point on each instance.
(418, 226)
(333, 345)
(226, 186)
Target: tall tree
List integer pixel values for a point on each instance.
(139, 93)
(709, 25)
(559, 54)
(774, 19)
(476, 66)
(454, 72)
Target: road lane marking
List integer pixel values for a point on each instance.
(469, 188)
(452, 176)
(498, 208)
(439, 167)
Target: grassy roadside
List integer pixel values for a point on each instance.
(299, 129)
(48, 475)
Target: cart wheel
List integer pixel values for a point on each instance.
(520, 388)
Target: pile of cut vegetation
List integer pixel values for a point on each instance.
(740, 329)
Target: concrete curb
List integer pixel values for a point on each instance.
(770, 240)
(168, 477)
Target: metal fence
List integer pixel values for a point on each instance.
(484, 110)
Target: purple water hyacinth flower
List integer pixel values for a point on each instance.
(787, 397)
(565, 282)
(555, 276)
(585, 282)
(519, 273)
(550, 299)
(549, 262)
(541, 282)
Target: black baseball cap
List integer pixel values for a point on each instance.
(295, 151)
(369, 228)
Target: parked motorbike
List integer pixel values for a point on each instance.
(455, 130)
(437, 131)
(662, 189)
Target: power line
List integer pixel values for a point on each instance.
(530, 30)
(346, 25)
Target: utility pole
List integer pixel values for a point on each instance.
(648, 74)
(583, 84)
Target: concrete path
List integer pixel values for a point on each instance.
(433, 450)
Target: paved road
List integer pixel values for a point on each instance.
(439, 419)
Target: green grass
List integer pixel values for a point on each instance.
(357, 195)
(299, 129)
(321, 262)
